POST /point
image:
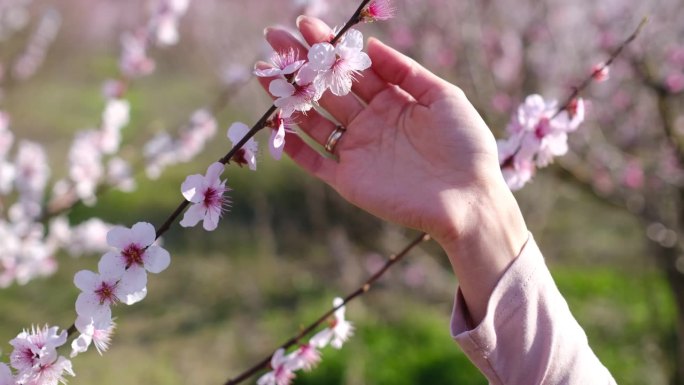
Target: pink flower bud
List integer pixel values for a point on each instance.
(600, 72)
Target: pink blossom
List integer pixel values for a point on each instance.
(32, 170)
(674, 82)
(85, 238)
(600, 72)
(340, 329)
(85, 164)
(280, 126)
(207, 193)
(137, 253)
(47, 373)
(35, 357)
(134, 60)
(6, 377)
(633, 175)
(308, 355)
(299, 96)
(36, 347)
(284, 63)
(247, 153)
(283, 370)
(378, 10)
(111, 286)
(96, 331)
(337, 65)
(115, 116)
(120, 175)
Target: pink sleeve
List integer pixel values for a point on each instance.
(528, 335)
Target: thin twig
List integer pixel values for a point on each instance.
(263, 364)
(579, 89)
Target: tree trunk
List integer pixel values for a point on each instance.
(667, 259)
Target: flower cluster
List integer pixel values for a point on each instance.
(162, 28)
(35, 358)
(163, 150)
(129, 254)
(538, 132)
(29, 246)
(308, 355)
(121, 278)
(328, 67)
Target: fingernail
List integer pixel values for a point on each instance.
(299, 20)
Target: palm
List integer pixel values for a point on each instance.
(396, 147)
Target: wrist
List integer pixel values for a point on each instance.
(481, 239)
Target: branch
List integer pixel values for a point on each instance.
(261, 123)
(579, 89)
(264, 363)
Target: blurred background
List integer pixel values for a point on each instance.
(608, 216)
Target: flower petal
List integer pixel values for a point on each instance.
(111, 267)
(280, 88)
(157, 259)
(143, 234)
(86, 280)
(193, 215)
(214, 171)
(192, 188)
(119, 237)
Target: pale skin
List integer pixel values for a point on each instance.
(416, 153)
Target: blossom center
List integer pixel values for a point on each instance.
(106, 293)
(543, 128)
(133, 255)
(213, 197)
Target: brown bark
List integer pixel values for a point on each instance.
(667, 258)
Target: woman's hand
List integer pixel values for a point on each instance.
(417, 153)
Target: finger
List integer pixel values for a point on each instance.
(397, 68)
(312, 123)
(368, 83)
(343, 108)
(309, 159)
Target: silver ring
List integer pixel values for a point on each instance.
(334, 138)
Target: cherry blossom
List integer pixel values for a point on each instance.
(207, 193)
(31, 347)
(134, 60)
(538, 132)
(283, 370)
(120, 175)
(137, 253)
(115, 116)
(280, 127)
(337, 65)
(85, 165)
(339, 331)
(247, 153)
(600, 72)
(284, 63)
(35, 357)
(93, 330)
(378, 10)
(163, 151)
(32, 170)
(299, 96)
(111, 286)
(308, 355)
